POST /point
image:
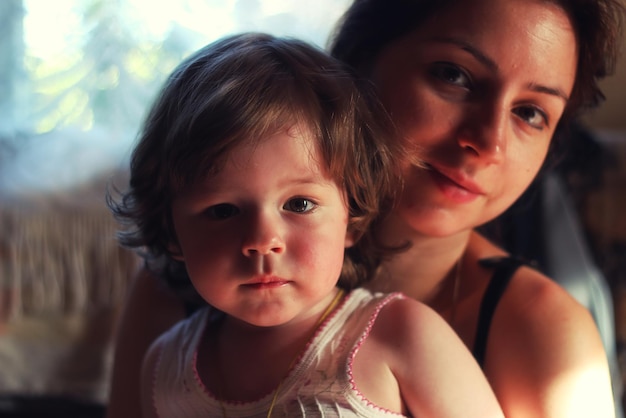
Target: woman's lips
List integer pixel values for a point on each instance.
(453, 186)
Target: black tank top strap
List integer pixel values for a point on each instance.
(504, 269)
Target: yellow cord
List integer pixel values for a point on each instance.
(327, 312)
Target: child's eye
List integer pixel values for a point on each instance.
(222, 211)
(451, 74)
(532, 116)
(299, 205)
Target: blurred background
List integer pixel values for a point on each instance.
(76, 75)
(76, 78)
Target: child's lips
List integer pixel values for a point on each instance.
(266, 282)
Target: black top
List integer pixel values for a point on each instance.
(504, 269)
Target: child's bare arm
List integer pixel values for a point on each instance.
(437, 375)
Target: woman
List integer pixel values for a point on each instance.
(479, 87)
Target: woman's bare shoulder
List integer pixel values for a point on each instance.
(531, 295)
(536, 301)
(542, 338)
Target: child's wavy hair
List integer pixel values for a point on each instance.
(244, 87)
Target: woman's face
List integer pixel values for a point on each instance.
(478, 90)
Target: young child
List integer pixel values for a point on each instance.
(259, 167)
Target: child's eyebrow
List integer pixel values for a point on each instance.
(214, 185)
(308, 181)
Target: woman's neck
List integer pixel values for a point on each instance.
(422, 270)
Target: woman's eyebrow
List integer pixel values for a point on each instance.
(554, 91)
(492, 65)
(479, 55)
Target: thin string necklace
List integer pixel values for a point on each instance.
(455, 292)
(338, 297)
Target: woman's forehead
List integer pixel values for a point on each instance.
(502, 34)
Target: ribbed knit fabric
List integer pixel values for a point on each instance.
(319, 385)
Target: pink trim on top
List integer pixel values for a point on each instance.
(370, 324)
(200, 383)
(321, 327)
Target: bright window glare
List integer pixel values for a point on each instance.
(47, 26)
(90, 69)
(50, 25)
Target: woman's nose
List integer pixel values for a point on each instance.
(484, 134)
(262, 235)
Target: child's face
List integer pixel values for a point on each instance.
(263, 240)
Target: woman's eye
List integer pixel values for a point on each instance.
(299, 205)
(451, 74)
(222, 211)
(532, 116)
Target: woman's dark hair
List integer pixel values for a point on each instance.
(234, 91)
(368, 26)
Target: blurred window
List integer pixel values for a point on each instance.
(77, 76)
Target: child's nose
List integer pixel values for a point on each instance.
(262, 236)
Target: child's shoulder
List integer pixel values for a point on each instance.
(408, 312)
(402, 320)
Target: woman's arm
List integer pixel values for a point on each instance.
(148, 368)
(151, 308)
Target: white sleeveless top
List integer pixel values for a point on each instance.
(320, 384)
